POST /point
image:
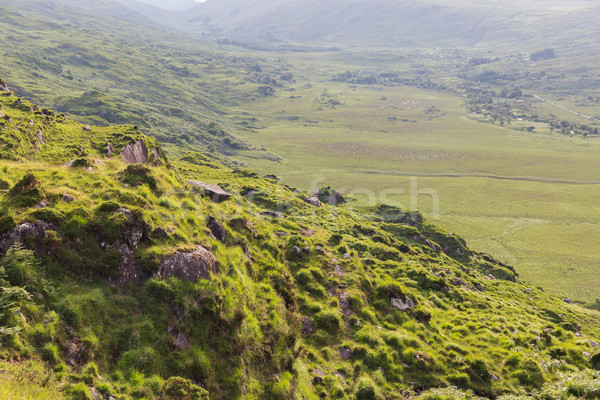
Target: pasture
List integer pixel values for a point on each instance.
(530, 199)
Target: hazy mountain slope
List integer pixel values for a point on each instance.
(175, 5)
(381, 23)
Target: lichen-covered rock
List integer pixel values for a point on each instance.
(135, 153)
(191, 267)
(129, 271)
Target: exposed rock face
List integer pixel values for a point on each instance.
(129, 270)
(30, 234)
(216, 193)
(313, 201)
(3, 87)
(217, 229)
(402, 302)
(135, 153)
(189, 267)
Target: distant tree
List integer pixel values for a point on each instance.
(546, 54)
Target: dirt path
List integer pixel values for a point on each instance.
(479, 175)
(566, 109)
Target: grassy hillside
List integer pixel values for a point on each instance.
(168, 86)
(338, 301)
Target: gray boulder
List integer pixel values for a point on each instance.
(190, 267)
(402, 302)
(216, 193)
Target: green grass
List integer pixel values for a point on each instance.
(28, 381)
(363, 145)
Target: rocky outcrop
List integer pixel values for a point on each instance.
(129, 271)
(31, 234)
(3, 87)
(216, 193)
(217, 229)
(329, 196)
(134, 229)
(190, 267)
(135, 153)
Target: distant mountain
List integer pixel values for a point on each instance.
(382, 23)
(175, 5)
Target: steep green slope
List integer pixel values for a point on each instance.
(129, 276)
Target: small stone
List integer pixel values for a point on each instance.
(42, 204)
(181, 342)
(87, 128)
(402, 304)
(528, 290)
(67, 198)
(347, 256)
(568, 300)
(345, 354)
(160, 234)
(308, 325)
(593, 343)
(313, 201)
(272, 214)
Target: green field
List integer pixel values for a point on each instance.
(529, 198)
